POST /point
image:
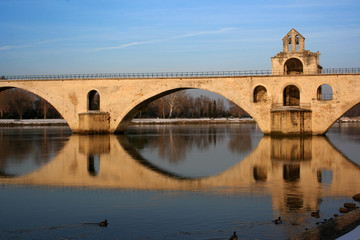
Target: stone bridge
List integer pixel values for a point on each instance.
(269, 99)
(296, 97)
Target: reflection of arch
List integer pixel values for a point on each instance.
(324, 92)
(93, 164)
(260, 173)
(93, 100)
(291, 96)
(293, 66)
(132, 151)
(260, 94)
(291, 172)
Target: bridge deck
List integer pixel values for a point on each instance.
(242, 73)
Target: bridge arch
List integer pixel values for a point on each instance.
(137, 105)
(35, 93)
(293, 66)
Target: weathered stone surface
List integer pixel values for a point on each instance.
(94, 123)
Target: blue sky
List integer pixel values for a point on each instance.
(110, 36)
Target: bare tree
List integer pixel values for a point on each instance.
(220, 107)
(45, 105)
(21, 101)
(161, 106)
(236, 111)
(175, 101)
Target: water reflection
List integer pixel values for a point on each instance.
(173, 143)
(293, 176)
(25, 149)
(295, 171)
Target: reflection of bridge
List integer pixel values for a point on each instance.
(289, 169)
(291, 101)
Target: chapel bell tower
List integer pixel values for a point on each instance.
(294, 59)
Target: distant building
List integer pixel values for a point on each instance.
(294, 59)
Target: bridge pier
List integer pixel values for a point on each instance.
(94, 122)
(291, 121)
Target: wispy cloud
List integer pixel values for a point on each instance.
(125, 45)
(39, 43)
(9, 47)
(188, 35)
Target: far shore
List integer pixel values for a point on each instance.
(147, 121)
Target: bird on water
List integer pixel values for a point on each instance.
(316, 214)
(233, 237)
(104, 223)
(277, 221)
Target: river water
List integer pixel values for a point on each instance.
(172, 182)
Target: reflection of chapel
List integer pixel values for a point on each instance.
(294, 59)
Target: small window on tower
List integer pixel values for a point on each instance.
(289, 43)
(297, 42)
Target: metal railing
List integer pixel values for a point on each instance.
(173, 74)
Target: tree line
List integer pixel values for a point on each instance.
(20, 104)
(183, 105)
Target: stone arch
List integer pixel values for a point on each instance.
(291, 96)
(260, 94)
(131, 110)
(324, 92)
(41, 97)
(93, 100)
(293, 66)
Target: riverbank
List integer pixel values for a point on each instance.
(149, 121)
(136, 121)
(32, 122)
(191, 120)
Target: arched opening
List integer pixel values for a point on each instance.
(324, 92)
(297, 42)
(17, 103)
(291, 96)
(183, 103)
(190, 103)
(93, 100)
(293, 66)
(289, 43)
(260, 94)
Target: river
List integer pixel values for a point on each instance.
(172, 182)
